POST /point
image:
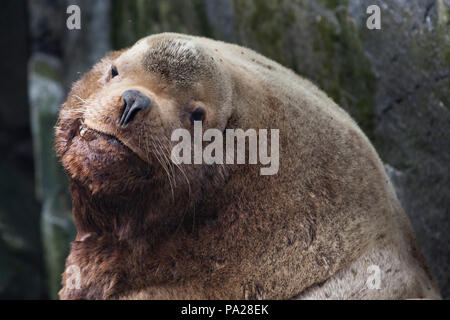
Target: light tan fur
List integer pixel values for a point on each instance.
(310, 231)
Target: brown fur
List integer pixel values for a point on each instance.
(152, 230)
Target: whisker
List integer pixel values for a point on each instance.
(140, 146)
(165, 147)
(168, 162)
(180, 168)
(165, 169)
(79, 98)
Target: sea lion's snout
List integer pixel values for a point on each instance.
(134, 102)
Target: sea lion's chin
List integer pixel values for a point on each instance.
(104, 165)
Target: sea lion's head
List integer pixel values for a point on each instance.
(113, 133)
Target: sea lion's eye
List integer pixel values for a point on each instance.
(198, 115)
(114, 72)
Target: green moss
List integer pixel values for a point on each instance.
(443, 13)
(443, 29)
(133, 20)
(57, 232)
(57, 223)
(430, 55)
(264, 26)
(345, 72)
(333, 4)
(205, 27)
(42, 68)
(340, 68)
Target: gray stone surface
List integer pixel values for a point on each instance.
(411, 62)
(57, 230)
(83, 48)
(59, 58)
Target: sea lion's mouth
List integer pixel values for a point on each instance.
(103, 163)
(88, 134)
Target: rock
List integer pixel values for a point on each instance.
(133, 20)
(85, 47)
(410, 58)
(46, 95)
(21, 265)
(60, 56)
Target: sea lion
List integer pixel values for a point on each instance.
(327, 222)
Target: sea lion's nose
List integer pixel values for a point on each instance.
(134, 101)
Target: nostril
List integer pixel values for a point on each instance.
(134, 101)
(130, 116)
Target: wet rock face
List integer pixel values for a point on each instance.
(59, 56)
(20, 249)
(83, 48)
(411, 62)
(57, 230)
(395, 81)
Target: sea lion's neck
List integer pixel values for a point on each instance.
(141, 212)
(109, 267)
(121, 237)
(118, 241)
